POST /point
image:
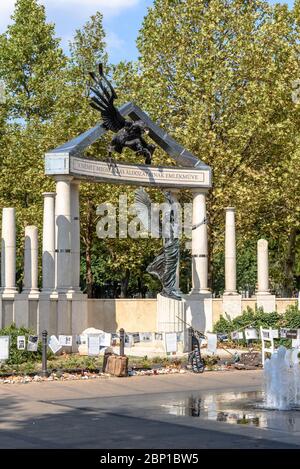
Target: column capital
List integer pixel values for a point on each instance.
(49, 194)
(76, 182)
(199, 190)
(63, 177)
(230, 209)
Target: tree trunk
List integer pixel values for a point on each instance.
(124, 284)
(289, 267)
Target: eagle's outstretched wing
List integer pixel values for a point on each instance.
(102, 99)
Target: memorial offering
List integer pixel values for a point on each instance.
(21, 342)
(171, 342)
(105, 339)
(54, 344)
(211, 343)
(93, 344)
(145, 336)
(32, 344)
(65, 340)
(194, 358)
(4, 347)
(283, 332)
(237, 335)
(136, 337)
(129, 340)
(292, 333)
(251, 333)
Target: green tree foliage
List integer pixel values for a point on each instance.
(30, 62)
(31, 66)
(218, 76)
(257, 318)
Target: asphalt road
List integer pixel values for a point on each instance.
(130, 412)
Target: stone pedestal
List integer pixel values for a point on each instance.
(232, 305)
(48, 259)
(178, 316)
(26, 310)
(79, 316)
(8, 252)
(199, 245)
(47, 314)
(64, 314)
(31, 260)
(266, 301)
(263, 297)
(170, 314)
(8, 310)
(199, 311)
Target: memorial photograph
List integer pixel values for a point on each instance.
(150, 230)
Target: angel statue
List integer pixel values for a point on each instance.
(164, 265)
(128, 133)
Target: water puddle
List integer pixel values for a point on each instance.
(245, 408)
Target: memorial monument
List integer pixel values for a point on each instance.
(60, 306)
(68, 167)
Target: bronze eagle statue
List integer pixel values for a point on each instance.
(128, 133)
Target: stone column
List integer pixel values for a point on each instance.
(262, 267)
(31, 260)
(230, 253)
(199, 244)
(63, 254)
(264, 299)
(175, 193)
(8, 252)
(75, 234)
(48, 261)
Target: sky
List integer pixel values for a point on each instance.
(122, 20)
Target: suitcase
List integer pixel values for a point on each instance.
(117, 366)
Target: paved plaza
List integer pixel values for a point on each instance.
(129, 413)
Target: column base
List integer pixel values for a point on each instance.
(31, 293)
(65, 291)
(230, 293)
(48, 291)
(203, 291)
(9, 292)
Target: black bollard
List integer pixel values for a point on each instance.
(44, 353)
(122, 342)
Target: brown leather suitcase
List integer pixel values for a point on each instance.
(117, 366)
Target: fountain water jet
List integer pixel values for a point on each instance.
(282, 379)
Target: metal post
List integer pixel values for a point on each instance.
(122, 342)
(44, 353)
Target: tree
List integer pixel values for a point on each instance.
(31, 67)
(217, 75)
(30, 62)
